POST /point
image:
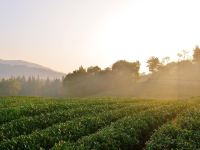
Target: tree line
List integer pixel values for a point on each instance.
(122, 75)
(94, 80)
(89, 81)
(32, 86)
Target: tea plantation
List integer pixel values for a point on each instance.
(36, 123)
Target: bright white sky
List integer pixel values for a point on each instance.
(64, 34)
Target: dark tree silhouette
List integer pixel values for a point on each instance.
(94, 80)
(128, 67)
(94, 69)
(76, 73)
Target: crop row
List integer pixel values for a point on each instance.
(130, 132)
(71, 130)
(182, 133)
(46, 105)
(26, 125)
(6, 102)
(8, 114)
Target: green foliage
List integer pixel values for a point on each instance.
(8, 114)
(127, 133)
(183, 133)
(71, 130)
(190, 119)
(30, 123)
(26, 125)
(171, 137)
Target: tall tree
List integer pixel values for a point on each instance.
(196, 54)
(124, 66)
(153, 64)
(93, 69)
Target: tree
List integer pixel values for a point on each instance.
(124, 66)
(76, 73)
(179, 56)
(80, 71)
(183, 55)
(93, 69)
(95, 80)
(153, 64)
(165, 60)
(196, 54)
(10, 87)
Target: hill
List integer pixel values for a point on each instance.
(15, 68)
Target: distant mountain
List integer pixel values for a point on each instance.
(16, 68)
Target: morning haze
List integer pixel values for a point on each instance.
(99, 75)
(99, 48)
(66, 34)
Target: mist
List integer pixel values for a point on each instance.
(177, 79)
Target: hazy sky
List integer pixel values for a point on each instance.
(64, 34)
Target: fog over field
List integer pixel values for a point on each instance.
(99, 48)
(99, 75)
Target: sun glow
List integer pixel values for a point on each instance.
(145, 28)
(98, 32)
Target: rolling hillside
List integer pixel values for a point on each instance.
(15, 68)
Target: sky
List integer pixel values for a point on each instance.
(65, 34)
